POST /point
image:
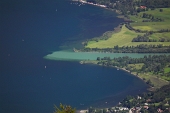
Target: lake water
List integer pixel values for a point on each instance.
(73, 56)
(31, 30)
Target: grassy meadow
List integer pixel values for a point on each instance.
(154, 26)
(158, 35)
(167, 70)
(136, 66)
(157, 80)
(124, 36)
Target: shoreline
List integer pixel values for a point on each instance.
(119, 15)
(117, 29)
(150, 88)
(84, 2)
(118, 68)
(104, 6)
(120, 95)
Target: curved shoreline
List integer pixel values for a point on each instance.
(133, 74)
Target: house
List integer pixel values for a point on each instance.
(149, 100)
(159, 110)
(83, 111)
(139, 97)
(146, 104)
(143, 7)
(135, 110)
(145, 107)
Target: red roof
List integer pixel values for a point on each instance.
(142, 7)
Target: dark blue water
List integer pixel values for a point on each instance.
(29, 30)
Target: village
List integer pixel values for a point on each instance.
(137, 109)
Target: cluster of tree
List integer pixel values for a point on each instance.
(64, 109)
(155, 63)
(105, 36)
(154, 3)
(141, 10)
(164, 40)
(141, 39)
(151, 18)
(150, 102)
(163, 30)
(148, 16)
(142, 48)
(129, 27)
(145, 38)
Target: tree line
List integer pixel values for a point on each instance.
(154, 63)
(127, 25)
(151, 18)
(141, 48)
(145, 38)
(155, 3)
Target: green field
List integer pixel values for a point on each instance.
(122, 38)
(136, 66)
(157, 80)
(167, 70)
(154, 26)
(157, 36)
(125, 36)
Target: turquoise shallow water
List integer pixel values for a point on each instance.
(68, 55)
